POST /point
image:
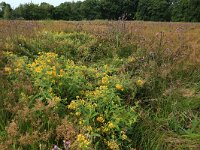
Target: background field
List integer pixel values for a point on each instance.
(156, 63)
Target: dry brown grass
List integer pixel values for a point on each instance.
(176, 35)
(177, 40)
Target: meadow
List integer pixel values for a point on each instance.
(116, 85)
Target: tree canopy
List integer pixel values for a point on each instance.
(147, 10)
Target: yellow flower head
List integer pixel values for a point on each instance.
(7, 69)
(80, 122)
(140, 82)
(100, 119)
(73, 105)
(80, 137)
(105, 129)
(113, 145)
(124, 137)
(89, 128)
(119, 87)
(49, 72)
(105, 80)
(111, 125)
(83, 142)
(61, 72)
(38, 69)
(77, 113)
(56, 99)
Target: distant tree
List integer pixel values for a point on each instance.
(5, 10)
(110, 9)
(91, 9)
(147, 10)
(154, 10)
(2, 6)
(7, 13)
(62, 11)
(27, 11)
(68, 11)
(129, 8)
(194, 9)
(46, 11)
(186, 10)
(32, 11)
(76, 11)
(116, 9)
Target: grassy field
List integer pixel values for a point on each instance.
(99, 85)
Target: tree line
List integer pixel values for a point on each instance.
(147, 10)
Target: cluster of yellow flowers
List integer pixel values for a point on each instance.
(44, 62)
(89, 128)
(124, 136)
(56, 99)
(105, 80)
(16, 64)
(113, 145)
(119, 87)
(104, 129)
(73, 105)
(82, 141)
(100, 119)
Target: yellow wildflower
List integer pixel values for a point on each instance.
(56, 99)
(7, 69)
(140, 83)
(80, 122)
(61, 73)
(111, 125)
(33, 64)
(49, 72)
(124, 137)
(96, 93)
(54, 73)
(83, 142)
(77, 113)
(89, 128)
(38, 69)
(119, 87)
(73, 105)
(105, 129)
(105, 80)
(113, 145)
(80, 137)
(100, 119)
(82, 102)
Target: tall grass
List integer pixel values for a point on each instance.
(165, 56)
